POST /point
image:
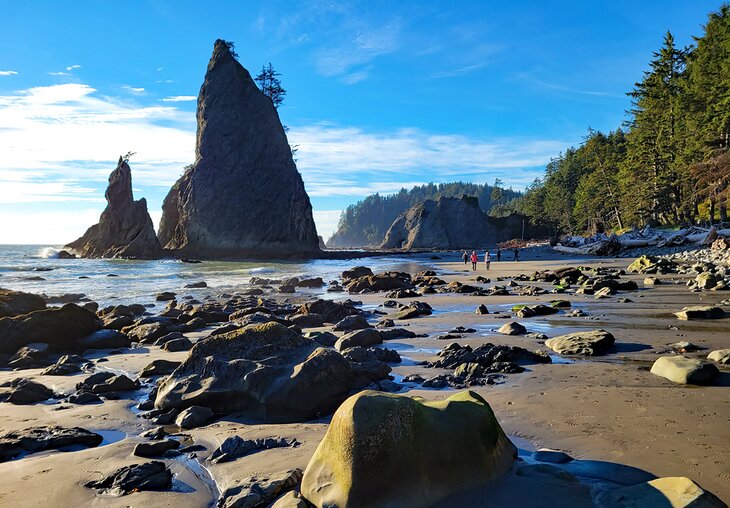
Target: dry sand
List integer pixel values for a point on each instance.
(608, 408)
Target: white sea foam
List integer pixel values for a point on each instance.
(262, 269)
(48, 253)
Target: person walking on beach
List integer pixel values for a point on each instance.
(487, 259)
(517, 254)
(474, 260)
(499, 254)
(465, 257)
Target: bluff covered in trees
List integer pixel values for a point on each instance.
(669, 165)
(366, 222)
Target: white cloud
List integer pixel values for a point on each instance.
(158, 69)
(72, 67)
(59, 73)
(57, 228)
(8, 73)
(326, 221)
(348, 161)
(133, 89)
(180, 98)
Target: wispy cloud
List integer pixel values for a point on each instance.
(59, 73)
(60, 143)
(133, 89)
(348, 161)
(180, 98)
(8, 73)
(72, 67)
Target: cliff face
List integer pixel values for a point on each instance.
(243, 197)
(125, 229)
(449, 223)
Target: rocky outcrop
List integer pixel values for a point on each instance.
(60, 328)
(38, 439)
(13, 303)
(434, 448)
(125, 228)
(450, 223)
(243, 196)
(266, 372)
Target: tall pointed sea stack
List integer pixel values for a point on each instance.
(125, 228)
(243, 197)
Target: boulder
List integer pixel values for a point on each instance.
(105, 339)
(135, 478)
(587, 343)
(147, 333)
(356, 273)
(482, 310)
(308, 321)
(700, 312)
(512, 328)
(193, 417)
(331, 312)
(243, 196)
(47, 437)
(350, 323)
(449, 223)
(707, 280)
(155, 449)
(387, 281)
(326, 339)
(682, 370)
(125, 228)
(177, 345)
(434, 448)
(58, 327)
(315, 282)
(14, 303)
(413, 310)
(720, 356)
(159, 368)
(257, 492)
(365, 337)
(674, 492)
(24, 391)
(33, 355)
(267, 372)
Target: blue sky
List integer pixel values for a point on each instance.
(380, 94)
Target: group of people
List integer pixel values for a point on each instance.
(487, 257)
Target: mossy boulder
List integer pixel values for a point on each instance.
(587, 343)
(391, 450)
(720, 356)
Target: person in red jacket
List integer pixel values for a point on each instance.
(474, 260)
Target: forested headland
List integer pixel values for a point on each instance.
(667, 165)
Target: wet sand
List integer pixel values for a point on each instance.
(607, 408)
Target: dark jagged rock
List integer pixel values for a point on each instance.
(259, 491)
(14, 303)
(24, 391)
(235, 447)
(450, 223)
(148, 476)
(159, 368)
(60, 328)
(125, 228)
(156, 449)
(243, 196)
(38, 439)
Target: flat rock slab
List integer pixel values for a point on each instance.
(700, 312)
(682, 370)
(148, 476)
(38, 439)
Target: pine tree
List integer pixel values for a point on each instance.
(655, 139)
(269, 83)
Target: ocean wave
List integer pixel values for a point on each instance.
(47, 253)
(262, 269)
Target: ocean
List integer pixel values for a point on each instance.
(37, 269)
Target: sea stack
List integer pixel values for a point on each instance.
(243, 197)
(450, 223)
(125, 228)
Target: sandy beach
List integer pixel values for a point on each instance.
(607, 408)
